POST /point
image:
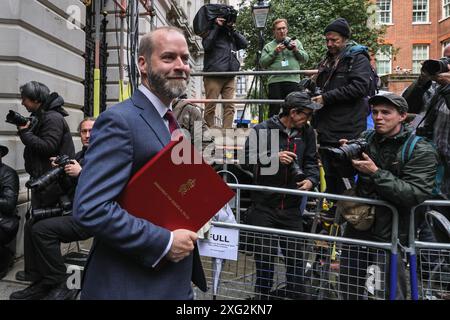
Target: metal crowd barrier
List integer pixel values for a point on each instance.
(316, 264)
(429, 262)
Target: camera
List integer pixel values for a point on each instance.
(287, 43)
(294, 168)
(434, 67)
(352, 150)
(310, 87)
(64, 208)
(50, 176)
(296, 172)
(39, 214)
(16, 118)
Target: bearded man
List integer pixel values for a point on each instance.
(127, 250)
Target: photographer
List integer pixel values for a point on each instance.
(44, 264)
(282, 53)
(292, 165)
(221, 45)
(46, 135)
(344, 77)
(9, 221)
(430, 95)
(385, 174)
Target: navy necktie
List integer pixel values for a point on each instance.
(173, 124)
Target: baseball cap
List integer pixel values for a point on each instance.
(300, 99)
(392, 99)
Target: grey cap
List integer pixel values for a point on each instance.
(300, 99)
(392, 99)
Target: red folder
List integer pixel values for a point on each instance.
(176, 196)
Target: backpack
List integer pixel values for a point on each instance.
(374, 78)
(407, 150)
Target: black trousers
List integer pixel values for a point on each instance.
(266, 248)
(333, 178)
(42, 245)
(6, 259)
(279, 90)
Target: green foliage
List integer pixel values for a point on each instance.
(307, 19)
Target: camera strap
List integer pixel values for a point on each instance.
(332, 71)
(431, 110)
(28, 213)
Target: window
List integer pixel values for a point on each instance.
(241, 85)
(445, 9)
(384, 61)
(420, 53)
(420, 11)
(384, 11)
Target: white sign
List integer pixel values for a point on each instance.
(223, 243)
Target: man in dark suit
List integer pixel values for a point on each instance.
(125, 260)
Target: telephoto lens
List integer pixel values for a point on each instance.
(16, 118)
(39, 214)
(352, 150)
(434, 67)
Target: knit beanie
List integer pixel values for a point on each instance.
(340, 25)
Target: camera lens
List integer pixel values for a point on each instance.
(39, 214)
(297, 172)
(434, 67)
(16, 118)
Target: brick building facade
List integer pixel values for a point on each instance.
(417, 30)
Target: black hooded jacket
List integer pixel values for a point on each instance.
(9, 190)
(221, 46)
(345, 89)
(50, 137)
(302, 142)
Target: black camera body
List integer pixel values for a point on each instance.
(16, 118)
(352, 150)
(287, 42)
(296, 172)
(294, 168)
(434, 67)
(310, 87)
(50, 176)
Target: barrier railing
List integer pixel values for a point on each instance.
(319, 257)
(433, 258)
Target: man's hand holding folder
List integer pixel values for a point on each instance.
(182, 245)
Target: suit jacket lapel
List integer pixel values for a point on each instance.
(151, 117)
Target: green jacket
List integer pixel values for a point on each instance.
(404, 185)
(271, 60)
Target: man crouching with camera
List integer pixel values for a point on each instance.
(282, 153)
(48, 227)
(394, 167)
